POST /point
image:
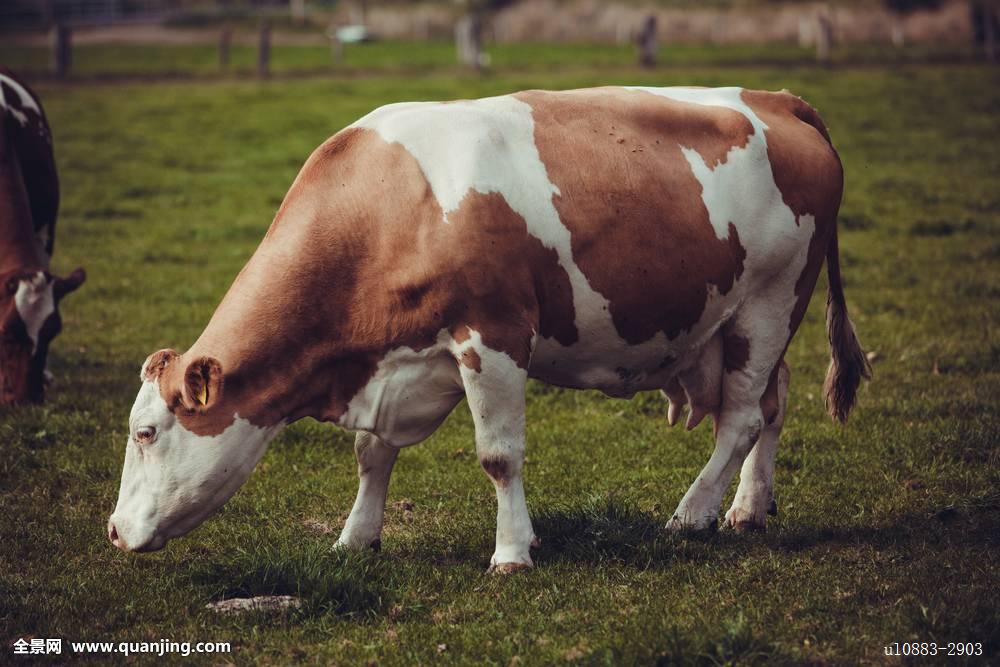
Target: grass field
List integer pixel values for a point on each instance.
(124, 61)
(888, 530)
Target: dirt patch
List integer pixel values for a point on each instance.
(317, 526)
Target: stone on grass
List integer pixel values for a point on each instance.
(265, 603)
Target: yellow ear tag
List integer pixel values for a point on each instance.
(203, 396)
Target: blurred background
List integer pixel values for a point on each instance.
(181, 38)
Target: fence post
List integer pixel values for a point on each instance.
(298, 11)
(264, 50)
(469, 40)
(336, 46)
(646, 42)
(62, 50)
(225, 39)
(824, 35)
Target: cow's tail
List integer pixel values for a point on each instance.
(848, 362)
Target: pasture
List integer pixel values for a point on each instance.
(888, 528)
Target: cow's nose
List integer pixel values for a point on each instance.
(113, 536)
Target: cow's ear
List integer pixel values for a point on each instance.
(202, 384)
(63, 286)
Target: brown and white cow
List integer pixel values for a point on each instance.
(623, 239)
(29, 201)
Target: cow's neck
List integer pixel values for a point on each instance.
(283, 332)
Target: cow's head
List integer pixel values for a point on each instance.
(29, 320)
(188, 452)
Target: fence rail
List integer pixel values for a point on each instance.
(40, 14)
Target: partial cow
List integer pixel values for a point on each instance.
(29, 202)
(621, 239)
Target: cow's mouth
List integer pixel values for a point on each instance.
(154, 544)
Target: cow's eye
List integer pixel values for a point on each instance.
(145, 434)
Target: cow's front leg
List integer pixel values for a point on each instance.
(495, 386)
(364, 525)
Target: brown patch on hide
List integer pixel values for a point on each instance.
(509, 283)
(808, 174)
(496, 468)
(735, 352)
(640, 231)
(470, 359)
(711, 134)
(460, 334)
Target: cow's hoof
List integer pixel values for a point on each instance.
(772, 509)
(508, 568)
(749, 527)
(744, 521)
(345, 545)
(706, 525)
(510, 560)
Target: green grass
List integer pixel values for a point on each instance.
(888, 530)
(141, 61)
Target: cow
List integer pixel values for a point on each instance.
(620, 239)
(29, 202)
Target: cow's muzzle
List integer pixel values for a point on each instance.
(154, 543)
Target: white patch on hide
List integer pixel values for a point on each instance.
(35, 303)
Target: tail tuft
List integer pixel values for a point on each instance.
(848, 363)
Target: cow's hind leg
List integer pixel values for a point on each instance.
(375, 461)
(494, 387)
(754, 498)
(753, 346)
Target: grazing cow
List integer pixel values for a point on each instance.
(622, 239)
(29, 201)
